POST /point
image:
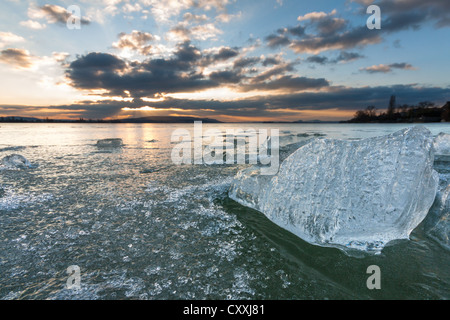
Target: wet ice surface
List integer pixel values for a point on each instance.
(141, 228)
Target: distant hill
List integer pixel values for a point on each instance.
(18, 119)
(314, 121)
(168, 120)
(151, 119)
(130, 120)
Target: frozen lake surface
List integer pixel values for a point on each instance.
(141, 227)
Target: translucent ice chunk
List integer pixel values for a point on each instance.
(15, 161)
(359, 194)
(442, 147)
(437, 224)
(442, 144)
(110, 143)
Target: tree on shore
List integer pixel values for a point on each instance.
(446, 112)
(391, 108)
(424, 111)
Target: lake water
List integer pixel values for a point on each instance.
(140, 227)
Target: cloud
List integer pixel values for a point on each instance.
(18, 58)
(129, 8)
(315, 15)
(320, 32)
(135, 41)
(54, 14)
(225, 17)
(383, 68)
(181, 32)
(215, 55)
(412, 14)
(270, 106)
(205, 32)
(349, 39)
(183, 72)
(275, 71)
(277, 40)
(287, 83)
(163, 10)
(8, 38)
(226, 76)
(317, 59)
(325, 23)
(272, 60)
(343, 57)
(196, 18)
(245, 62)
(33, 25)
(60, 57)
(147, 78)
(298, 31)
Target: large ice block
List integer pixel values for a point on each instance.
(358, 194)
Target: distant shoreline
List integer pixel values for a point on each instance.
(161, 120)
(56, 121)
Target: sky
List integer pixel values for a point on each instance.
(230, 60)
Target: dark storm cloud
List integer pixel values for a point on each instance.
(95, 71)
(106, 71)
(183, 73)
(226, 76)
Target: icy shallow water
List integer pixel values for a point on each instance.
(140, 227)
